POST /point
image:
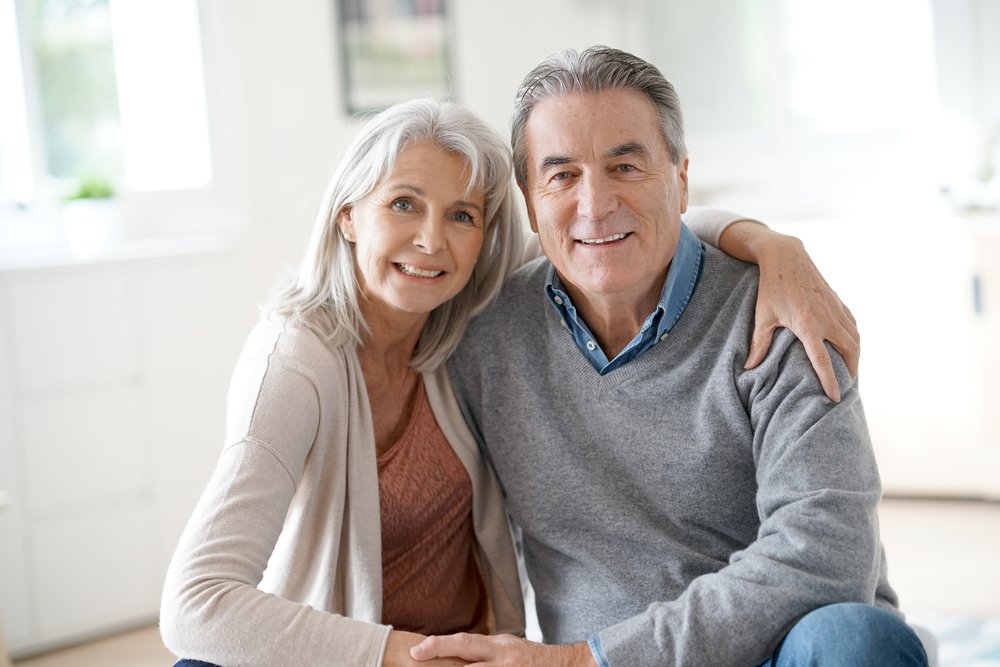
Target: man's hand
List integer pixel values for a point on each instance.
(503, 651)
(794, 295)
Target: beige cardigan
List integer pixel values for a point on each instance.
(296, 489)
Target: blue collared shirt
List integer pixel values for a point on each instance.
(682, 278)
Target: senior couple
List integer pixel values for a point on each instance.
(425, 407)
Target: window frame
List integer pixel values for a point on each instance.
(34, 227)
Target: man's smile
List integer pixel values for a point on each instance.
(605, 239)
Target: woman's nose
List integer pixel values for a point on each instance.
(429, 236)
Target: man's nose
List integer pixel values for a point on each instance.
(596, 196)
(429, 236)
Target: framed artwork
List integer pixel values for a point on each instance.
(393, 50)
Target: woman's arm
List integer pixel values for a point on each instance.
(212, 608)
(792, 292)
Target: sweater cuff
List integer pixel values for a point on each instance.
(383, 642)
(631, 642)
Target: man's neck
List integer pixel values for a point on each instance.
(615, 319)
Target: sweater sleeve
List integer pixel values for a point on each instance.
(708, 224)
(212, 609)
(817, 544)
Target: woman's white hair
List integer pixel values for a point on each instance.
(326, 280)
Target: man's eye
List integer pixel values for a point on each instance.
(626, 168)
(561, 176)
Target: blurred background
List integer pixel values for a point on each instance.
(161, 163)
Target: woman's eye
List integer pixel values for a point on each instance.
(463, 216)
(402, 204)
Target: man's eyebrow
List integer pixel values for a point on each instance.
(631, 148)
(554, 161)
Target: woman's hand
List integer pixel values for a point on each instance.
(794, 295)
(503, 651)
(397, 652)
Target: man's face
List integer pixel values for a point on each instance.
(603, 195)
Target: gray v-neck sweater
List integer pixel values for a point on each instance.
(682, 509)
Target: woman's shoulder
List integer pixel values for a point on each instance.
(285, 353)
(307, 340)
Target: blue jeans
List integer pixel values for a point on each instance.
(849, 634)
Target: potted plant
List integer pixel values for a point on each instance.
(90, 216)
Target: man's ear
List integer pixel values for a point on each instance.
(528, 206)
(346, 223)
(682, 176)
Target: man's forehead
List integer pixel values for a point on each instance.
(608, 123)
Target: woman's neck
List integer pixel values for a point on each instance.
(392, 337)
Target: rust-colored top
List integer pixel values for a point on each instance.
(430, 581)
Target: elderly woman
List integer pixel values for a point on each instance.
(350, 512)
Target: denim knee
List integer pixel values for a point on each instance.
(850, 634)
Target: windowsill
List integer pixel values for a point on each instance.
(35, 257)
(46, 240)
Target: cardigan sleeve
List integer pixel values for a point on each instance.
(708, 224)
(212, 608)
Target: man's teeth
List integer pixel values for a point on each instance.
(420, 273)
(606, 239)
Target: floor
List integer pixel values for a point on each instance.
(943, 558)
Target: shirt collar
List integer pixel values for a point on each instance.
(682, 278)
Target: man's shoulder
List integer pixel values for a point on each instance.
(521, 290)
(515, 309)
(725, 279)
(729, 268)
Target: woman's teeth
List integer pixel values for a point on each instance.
(420, 273)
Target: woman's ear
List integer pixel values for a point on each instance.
(346, 223)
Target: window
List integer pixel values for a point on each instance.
(803, 110)
(841, 75)
(109, 90)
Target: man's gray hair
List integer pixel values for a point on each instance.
(596, 69)
(326, 277)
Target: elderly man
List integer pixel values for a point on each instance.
(674, 508)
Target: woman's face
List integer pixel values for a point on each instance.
(417, 235)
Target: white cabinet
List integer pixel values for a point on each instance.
(15, 605)
(112, 394)
(82, 554)
(925, 288)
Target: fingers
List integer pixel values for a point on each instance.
(463, 645)
(763, 334)
(848, 344)
(819, 356)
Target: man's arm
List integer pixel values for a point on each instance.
(792, 293)
(817, 543)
